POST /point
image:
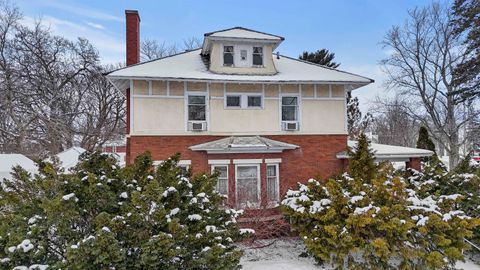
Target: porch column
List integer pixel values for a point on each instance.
(263, 184)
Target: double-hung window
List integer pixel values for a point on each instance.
(289, 108)
(197, 108)
(248, 181)
(243, 101)
(222, 183)
(272, 183)
(257, 56)
(228, 55)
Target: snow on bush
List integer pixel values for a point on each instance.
(381, 214)
(105, 217)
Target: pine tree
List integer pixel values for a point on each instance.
(105, 217)
(356, 123)
(424, 141)
(322, 57)
(361, 163)
(369, 223)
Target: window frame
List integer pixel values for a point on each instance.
(259, 197)
(298, 112)
(213, 166)
(186, 114)
(244, 101)
(232, 53)
(273, 203)
(261, 54)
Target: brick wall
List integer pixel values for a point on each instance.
(316, 156)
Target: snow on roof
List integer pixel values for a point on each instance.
(243, 144)
(8, 161)
(390, 152)
(189, 66)
(69, 158)
(241, 32)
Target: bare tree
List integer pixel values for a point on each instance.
(424, 52)
(53, 93)
(151, 49)
(392, 122)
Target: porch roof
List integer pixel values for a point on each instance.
(243, 144)
(390, 152)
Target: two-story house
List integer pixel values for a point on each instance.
(263, 120)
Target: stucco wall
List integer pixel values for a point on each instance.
(165, 114)
(216, 60)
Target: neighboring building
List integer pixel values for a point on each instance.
(8, 161)
(69, 158)
(116, 149)
(264, 120)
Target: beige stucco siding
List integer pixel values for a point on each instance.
(162, 114)
(324, 116)
(244, 120)
(158, 116)
(216, 60)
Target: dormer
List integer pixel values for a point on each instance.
(240, 51)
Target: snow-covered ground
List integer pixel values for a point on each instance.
(284, 254)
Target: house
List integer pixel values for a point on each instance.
(69, 158)
(263, 120)
(8, 161)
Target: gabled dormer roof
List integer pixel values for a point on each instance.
(239, 34)
(242, 32)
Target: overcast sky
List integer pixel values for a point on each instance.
(351, 29)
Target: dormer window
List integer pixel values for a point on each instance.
(257, 56)
(228, 55)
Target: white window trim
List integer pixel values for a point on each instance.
(299, 112)
(244, 101)
(259, 179)
(182, 162)
(263, 57)
(222, 165)
(223, 52)
(219, 161)
(277, 172)
(273, 160)
(247, 161)
(207, 108)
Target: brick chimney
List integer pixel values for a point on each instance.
(133, 36)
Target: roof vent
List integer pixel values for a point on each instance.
(278, 55)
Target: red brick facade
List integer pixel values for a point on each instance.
(316, 157)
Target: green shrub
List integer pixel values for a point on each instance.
(376, 219)
(104, 217)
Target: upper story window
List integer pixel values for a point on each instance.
(289, 109)
(228, 55)
(197, 108)
(243, 101)
(257, 56)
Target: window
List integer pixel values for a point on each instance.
(196, 108)
(233, 101)
(247, 177)
(272, 182)
(228, 55)
(289, 109)
(222, 184)
(243, 55)
(257, 56)
(244, 101)
(184, 169)
(254, 101)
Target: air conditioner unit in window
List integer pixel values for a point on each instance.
(290, 126)
(197, 126)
